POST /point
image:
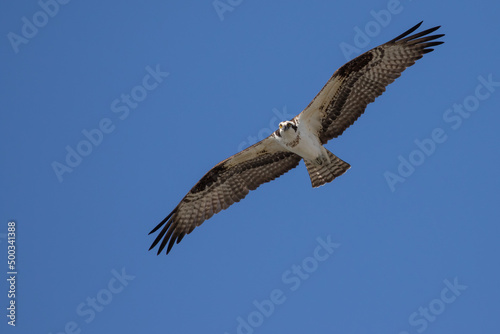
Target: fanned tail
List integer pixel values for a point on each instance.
(326, 171)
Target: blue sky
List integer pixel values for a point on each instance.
(155, 93)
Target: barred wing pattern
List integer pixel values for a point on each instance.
(226, 183)
(356, 84)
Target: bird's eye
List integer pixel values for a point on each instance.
(281, 125)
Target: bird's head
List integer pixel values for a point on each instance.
(284, 126)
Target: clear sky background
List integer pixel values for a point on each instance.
(406, 257)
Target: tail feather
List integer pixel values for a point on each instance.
(327, 171)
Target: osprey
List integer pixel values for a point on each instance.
(339, 103)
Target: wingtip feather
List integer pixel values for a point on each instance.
(166, 230)
(406, 37)
(407, 32)
(162, 222)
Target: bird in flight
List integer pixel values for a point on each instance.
(339, 103)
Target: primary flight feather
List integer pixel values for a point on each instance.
(339, 103)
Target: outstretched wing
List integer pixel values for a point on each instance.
(356, 84)
(228, 182)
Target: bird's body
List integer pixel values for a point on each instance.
(341, 101)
